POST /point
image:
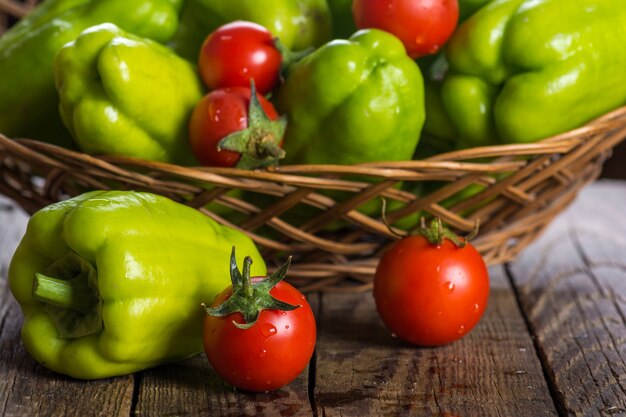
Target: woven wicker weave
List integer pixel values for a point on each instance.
(12, 10)
(523, 188)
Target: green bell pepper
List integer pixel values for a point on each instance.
(523, 70)
(124, 95)
(28, 99)
(348, 102)
(111, 282)
(353, 101)
(299, 24)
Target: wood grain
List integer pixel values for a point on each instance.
(362, 370)
(572, 286)
(192, 388)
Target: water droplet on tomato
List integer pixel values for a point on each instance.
(263, 353)
(461, 329)
(286, 326)
(476, 307)
(267, 329)
(449, 286)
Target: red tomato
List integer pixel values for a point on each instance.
(216, 115)
(236, 52)
(430, 295)
(268, 355)
(422, 25)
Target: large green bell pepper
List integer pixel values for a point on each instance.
(124, 95)
(353, 101)
(120, 277)
(299, 24)
(28, 99)
(523, 70)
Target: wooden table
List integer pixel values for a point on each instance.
(552, 343)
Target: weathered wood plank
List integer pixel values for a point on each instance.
(192, 388)
(28, 389)
(362, 370)
(572, 287)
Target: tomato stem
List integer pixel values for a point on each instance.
(250, 298)
(436, 233)
(246, 281)
(259, 142)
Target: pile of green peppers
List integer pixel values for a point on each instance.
(100, 76)
(516, 71)
(117, 103)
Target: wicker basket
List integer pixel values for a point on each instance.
(523, 187)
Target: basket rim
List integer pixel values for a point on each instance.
(544, 178)
(446, 162)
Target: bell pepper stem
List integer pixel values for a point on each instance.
(72, 293)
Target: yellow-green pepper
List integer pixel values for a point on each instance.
(28, 99)
(111, 282)
(125, 95)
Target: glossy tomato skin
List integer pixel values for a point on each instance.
(430, 295)
(216, 115)
(268, 355)
(423, 26)
(236, 52)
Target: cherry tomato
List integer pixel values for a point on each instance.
(430, 295)
(268, 355)
(422, 25)
(236, 52)
(218, 114)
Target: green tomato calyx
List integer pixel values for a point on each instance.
(436, 233)
(250, 298)
(259, 142)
